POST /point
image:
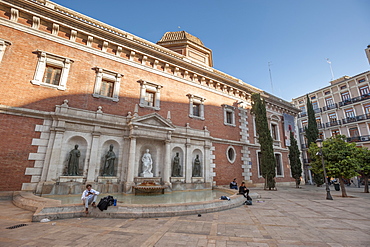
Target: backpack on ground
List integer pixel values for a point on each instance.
(105, 202)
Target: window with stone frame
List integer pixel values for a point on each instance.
(367, 110)
(107, 84)
(274, 131)
(196, 106)
(350, 113)
(353, 132)
(231, 154)
(51, 70)
(345, 96)
(364, 90)
(150, 94)
(279, 166)
(335, 132)
(3, 44)
(229, 115)
(329, 101)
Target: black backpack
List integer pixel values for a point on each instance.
(105, 202)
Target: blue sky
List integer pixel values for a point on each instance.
(295, 36)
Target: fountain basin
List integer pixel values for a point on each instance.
(53, 209)
(148, 187)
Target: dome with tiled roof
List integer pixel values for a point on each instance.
(188, 45)
(180, 36)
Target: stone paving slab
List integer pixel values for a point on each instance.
(286, 217)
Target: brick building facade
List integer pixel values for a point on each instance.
(67, 79)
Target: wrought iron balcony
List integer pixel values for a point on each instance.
(358, 138)
(354, 100)
(356, 118)
(332, 123)
(329, 107)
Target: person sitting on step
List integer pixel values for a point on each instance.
(89, 196)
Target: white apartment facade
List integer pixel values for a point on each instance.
(342, 108)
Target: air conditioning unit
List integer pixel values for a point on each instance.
(364, 138)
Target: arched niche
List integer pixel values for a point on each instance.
(197, 171)
(68, 147)
(103, 153)
(180, 152)
(153, 150)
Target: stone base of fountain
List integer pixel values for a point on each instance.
(148, 186)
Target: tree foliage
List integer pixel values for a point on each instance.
(364, 166)
(294, 160)
(311, 130)
(339, 157)
(268, 163)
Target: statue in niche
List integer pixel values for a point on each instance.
(109, 162)
(196, 167)
(176, 167)
(147, 164)
(73, 163)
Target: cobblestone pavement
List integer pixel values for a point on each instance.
(286, 217)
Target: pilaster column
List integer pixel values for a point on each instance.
(207, 168)
(188, 163)
(94, 157)
(167, 163)
(131, 165)
(55, 159)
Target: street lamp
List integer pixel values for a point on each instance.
(319, 144)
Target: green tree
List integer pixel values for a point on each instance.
(339, 157)
(294, 160)
(364, 166)
(268, 162)
(312, 133)
(311, 130)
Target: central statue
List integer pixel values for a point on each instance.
(147, 165)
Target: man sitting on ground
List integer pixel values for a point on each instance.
(233, 184)
(243, 190)
(89, 196)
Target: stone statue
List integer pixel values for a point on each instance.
(176, 167)
(147, 164)
(196, 167)
(109, 162)
(73, 164)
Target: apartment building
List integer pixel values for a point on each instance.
(342, 108)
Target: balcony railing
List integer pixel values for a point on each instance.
(333, 123)
(329, 107)
(358, 138)
(356, 118)
(354, 100)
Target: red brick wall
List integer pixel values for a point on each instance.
(19, 65)
(226, 171)
(16, 135)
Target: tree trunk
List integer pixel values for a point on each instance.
(342, 187)
(297, 182)
(366, 179)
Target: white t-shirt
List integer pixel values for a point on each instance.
(86, 194)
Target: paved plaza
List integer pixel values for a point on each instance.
(286, 217)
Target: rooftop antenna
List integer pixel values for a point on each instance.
(331, 69)
(272, 88)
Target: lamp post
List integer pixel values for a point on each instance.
(319, 144)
